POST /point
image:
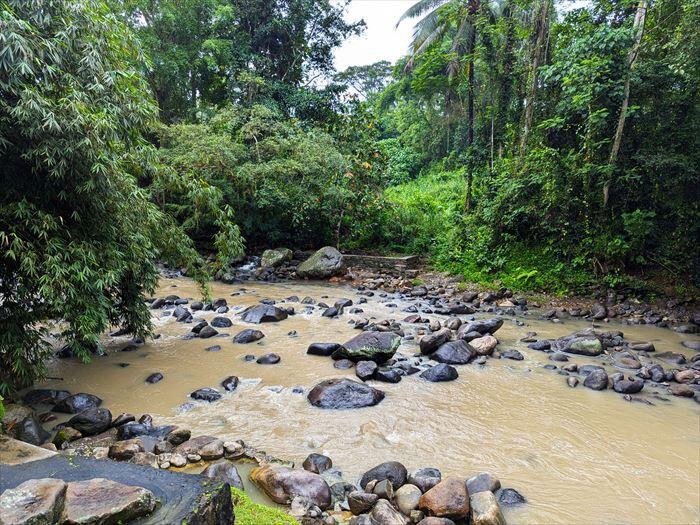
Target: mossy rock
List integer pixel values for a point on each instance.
(249, 513)
(274, 258)
(325, 263)
(369, 346)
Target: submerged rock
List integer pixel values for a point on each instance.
(369, 346)
(344, 394)
(326, 262)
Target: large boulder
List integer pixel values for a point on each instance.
(447, 499)
(34, 502)
(283, 484)
(92, 421)
(30, 430)
(77, 403)
(391, 470)
(325, 263)
(263, 313)
(344, 393)
(454, 353)
(103, 501)
(275, 257)
(369, 346)
(485, 509)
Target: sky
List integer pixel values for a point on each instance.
(381, 39)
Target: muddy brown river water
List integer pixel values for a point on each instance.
(579, 456)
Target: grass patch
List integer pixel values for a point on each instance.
(251, 513)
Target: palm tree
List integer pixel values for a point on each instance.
(432, 27)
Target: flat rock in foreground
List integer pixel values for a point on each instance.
(344, 394)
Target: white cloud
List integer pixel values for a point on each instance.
(381, 40)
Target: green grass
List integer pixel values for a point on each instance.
(250, 513)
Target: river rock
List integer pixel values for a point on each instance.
(483, 481)
(30, 431)
(283, 484)
(230, 383)
(384, 489)
(360, 502)
(263, 313)
(44, 396)
(77, 403)
(34, 502)
(425, 478)
(407, 498)
(588, 345)
(323, 349)
(365, 369)
(197, 445)
(681, 390)
(125, 450)
(485, 509)
(511, 497)
(454, 353)
(439, 373)
(599, 312)
(431, 342)
(325, 263)
(224, 471)
(447, 499)
(672, 357)
(268, 359)
(65, 435)
(642, 347)
(103, 501)
(628, 386)
(483, 326)
(542, 345)
(484, 345)
(369, 346)
(207, 331)
(391, 470)
(317, 463)
(178, 436)
(206, 394)
(512, 354)
(221, 322)
(384, 514)
(343, 364)
(693, 345)
(432, 520)
(686, 376)
(275, 257)
(387, 375)
(155, 377)
(343, 393)
(596, 380)
(248, 335)
(91, 421)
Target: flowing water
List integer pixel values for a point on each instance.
(579, 456)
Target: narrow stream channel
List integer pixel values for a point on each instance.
(579, 456)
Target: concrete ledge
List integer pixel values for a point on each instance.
(377, 262)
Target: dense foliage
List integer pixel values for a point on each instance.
(79, 238)
(554, 200)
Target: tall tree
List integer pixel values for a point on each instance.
(79, 238)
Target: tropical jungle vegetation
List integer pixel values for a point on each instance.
(523, 142)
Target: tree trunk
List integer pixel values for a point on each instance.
(470, 114)
(639, 21)
(538, 55)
